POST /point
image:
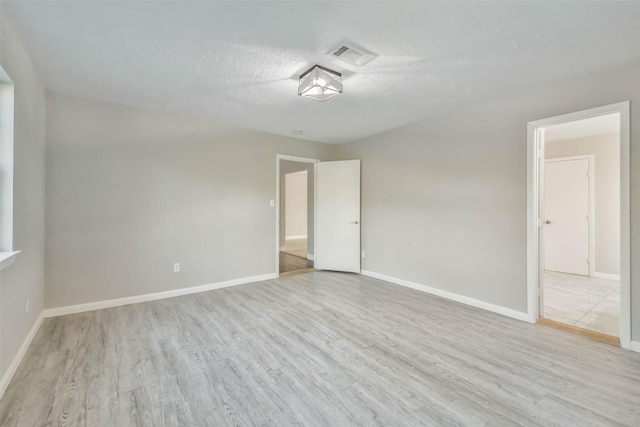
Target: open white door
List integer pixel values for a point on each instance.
(338, 216)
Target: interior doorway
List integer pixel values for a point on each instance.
(296, 214)
(579, 223)
(582, 224)
(333, 216)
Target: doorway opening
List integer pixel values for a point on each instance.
(296, 214)
(333, 216)
(579, 229)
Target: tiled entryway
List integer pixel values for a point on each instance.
(581, 301)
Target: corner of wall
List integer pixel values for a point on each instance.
(24, 279)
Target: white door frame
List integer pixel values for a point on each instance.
(535, 152)
(591, 159)
(300, 160)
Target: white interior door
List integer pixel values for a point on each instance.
(566, 219)
(338, 216)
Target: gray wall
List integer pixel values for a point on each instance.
(130, 192)
(606, 153)
(25, 278)
(444, 201)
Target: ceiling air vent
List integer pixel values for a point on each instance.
(352, 54)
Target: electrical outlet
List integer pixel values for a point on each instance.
(26, 305)
(272, 203)
(363, 255)
(176, 267)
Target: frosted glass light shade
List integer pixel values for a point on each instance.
(320, 83)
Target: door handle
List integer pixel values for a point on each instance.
(548, 222)
(354, 222)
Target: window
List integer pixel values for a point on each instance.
(6, 168)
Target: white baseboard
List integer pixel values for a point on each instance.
(97, 305)
(452, 296)
(13, 367)
(301, 236)
(311, 257)
(606, 276)
(79, 308)
(635, 346)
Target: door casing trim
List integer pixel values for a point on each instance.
(534, 137)
(277, 201)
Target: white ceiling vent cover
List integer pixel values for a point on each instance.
(352, 54)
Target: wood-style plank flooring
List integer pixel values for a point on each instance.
(318, 349)
(295, 247)
(289, 263)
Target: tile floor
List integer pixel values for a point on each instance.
(585, 302)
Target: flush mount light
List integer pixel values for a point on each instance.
(320, 83)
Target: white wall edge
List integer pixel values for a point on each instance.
(311, 257)
(296, 236)
(13, 367)
(7, 258)
(519, 315)
(635, 346)
(97, 305)
(606, 276)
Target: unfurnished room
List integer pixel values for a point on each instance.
(319, 213)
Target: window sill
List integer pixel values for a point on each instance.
(7, 258)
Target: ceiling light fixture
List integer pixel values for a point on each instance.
(320, 83)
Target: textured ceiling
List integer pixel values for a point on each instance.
(237, 62)
(600, 125)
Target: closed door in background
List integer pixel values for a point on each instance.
(567, 222)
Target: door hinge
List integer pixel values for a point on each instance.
(588, 261)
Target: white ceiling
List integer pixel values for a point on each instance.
(237, 62)
(600, 125)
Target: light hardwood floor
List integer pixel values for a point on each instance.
(319, 349)
(290, 263)
(297, 247)
(294, 256)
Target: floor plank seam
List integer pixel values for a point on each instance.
(320, 348)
